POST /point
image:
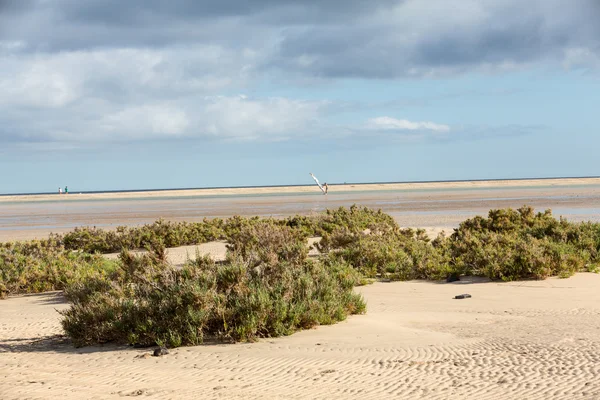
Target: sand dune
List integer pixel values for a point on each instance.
(534, 340)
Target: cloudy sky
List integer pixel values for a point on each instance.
(112, 94)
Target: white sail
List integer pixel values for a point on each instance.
(316, 180)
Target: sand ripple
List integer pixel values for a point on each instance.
(534, 340)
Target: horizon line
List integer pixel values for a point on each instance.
(302, 185)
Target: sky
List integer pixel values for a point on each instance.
(149, 94)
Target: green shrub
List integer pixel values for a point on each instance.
(519, 244)
(355, 219)
(507, 244)
(265, 243)
(171, 234)
(160, 306)
(36, 267)
(267, 287)
(389, 253)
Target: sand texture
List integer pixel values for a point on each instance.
(534, 340)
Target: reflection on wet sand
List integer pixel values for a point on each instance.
(417, 208)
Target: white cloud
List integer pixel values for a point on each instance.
(120, 75)
(243, 118)
(134, 94)
(144, 121)
(393, 124)
(37, 84)
(221, 117)
(101, 71)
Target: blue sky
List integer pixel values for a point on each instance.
(108, 95)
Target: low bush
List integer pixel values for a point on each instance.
(519, 244)
(388, 253)
(36, 267)
(171, 234)
(266, 243)
(354, 219)
(267, 287)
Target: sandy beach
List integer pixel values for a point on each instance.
(135, 135)
(534, 340)
(528, 339)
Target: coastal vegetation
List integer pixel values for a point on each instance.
(174, 234)
(269, 285)
(44, 265)
(520, 244)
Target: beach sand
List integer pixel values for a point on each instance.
(533, 339)
(528, 339)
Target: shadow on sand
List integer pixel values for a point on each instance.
(464, 280)
(62, 344)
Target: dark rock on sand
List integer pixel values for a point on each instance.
(463, 296)
(161, 351)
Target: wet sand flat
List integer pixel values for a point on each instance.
(359, 187)
(420, 205)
